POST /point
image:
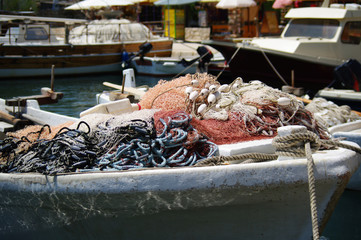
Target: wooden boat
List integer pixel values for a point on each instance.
(30, 49)
(314, 42)
(266, 200)
(32, 114)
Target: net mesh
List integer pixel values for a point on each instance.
(234, 113)
(166, 92)
(331, 114)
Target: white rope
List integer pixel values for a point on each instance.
(312, 191)
(273, 67)
(185, 69)
(230, 60)
(287, 146)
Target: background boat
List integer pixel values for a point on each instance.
(30, 49)
(314, 42)
(186, 57)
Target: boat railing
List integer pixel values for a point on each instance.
(156, 27)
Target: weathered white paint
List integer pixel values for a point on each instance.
(239, 201)
(34, 113)
(251, 201)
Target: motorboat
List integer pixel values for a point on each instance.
(187, 57)
(266, 199)
(30, 46)
(312, 44)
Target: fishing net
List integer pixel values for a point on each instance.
(182, 123)
(331, 114)
(166, 92)
(232, 113)
(101, 142)
(21, 140)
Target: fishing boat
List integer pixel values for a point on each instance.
(216, 198)
(29, 46)
(186, 58)
(312, 44)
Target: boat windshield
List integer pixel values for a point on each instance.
(36, 33)
(314, 28)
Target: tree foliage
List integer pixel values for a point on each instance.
(18, 5)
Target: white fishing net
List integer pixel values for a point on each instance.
(331, 114)
(231, 113)
(105, 124)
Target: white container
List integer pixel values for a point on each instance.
(114, 108)
(129, 78)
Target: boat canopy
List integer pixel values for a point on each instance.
(113, 30)
(323, 13)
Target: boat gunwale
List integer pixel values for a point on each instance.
(225, 176)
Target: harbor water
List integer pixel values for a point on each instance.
(80, 94)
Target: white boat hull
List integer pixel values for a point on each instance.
(161, 67)
(252, 201)
(268, 200)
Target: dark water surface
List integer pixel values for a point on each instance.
(79, 94)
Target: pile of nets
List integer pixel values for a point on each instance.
(101, 142)
(331, 114)
(181, 123)
(232, 113)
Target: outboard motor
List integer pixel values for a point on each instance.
(347, 76)
(144, 49)
(125, 59)
(205, 56)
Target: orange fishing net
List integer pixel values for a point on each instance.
(219, 132)
(35, 132)
(170, 95)
(239, 112)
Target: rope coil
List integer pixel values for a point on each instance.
(293, 145)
